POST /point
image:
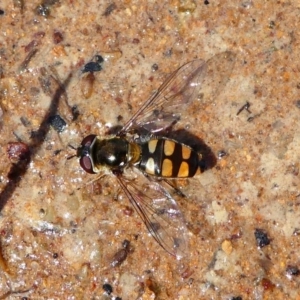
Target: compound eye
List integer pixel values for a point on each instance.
(86, 164)
(84, 153)
(88, 140)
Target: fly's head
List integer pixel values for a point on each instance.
(85, 154)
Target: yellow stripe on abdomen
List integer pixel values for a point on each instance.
(169, 147)
(150, 166)
(167, 168)
(152, 146)
(183, 170)
(186, 152)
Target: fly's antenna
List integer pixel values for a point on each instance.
(77, 151)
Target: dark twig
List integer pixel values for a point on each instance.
(18, 170)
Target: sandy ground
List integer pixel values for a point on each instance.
(62, 232)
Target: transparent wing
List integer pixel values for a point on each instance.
(196, 80)
(159, 212)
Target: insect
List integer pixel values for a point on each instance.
(143, 159)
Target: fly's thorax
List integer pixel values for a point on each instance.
(164, 157)
(112, 153)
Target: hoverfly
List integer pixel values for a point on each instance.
(142, 158)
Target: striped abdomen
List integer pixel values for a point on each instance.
(167, 158)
